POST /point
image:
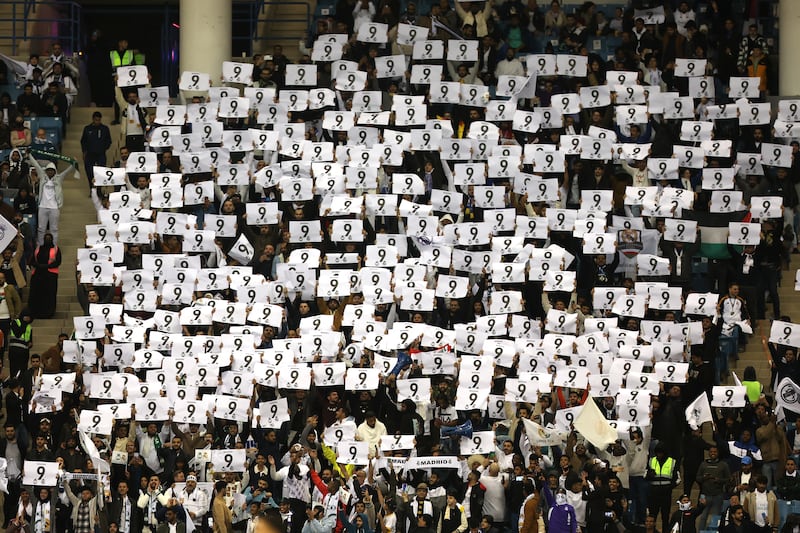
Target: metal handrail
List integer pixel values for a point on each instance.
(252, 19)
(277, 20)
(22, 11)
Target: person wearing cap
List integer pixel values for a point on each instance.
(51, 197)
(193, 500)
(744, 479)
(419, 506)
(561, 516)
(85, 509)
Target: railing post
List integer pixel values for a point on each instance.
(14, 29)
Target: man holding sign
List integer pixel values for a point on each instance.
(133, 124)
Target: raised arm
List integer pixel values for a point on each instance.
(39, 170)
(321, 486)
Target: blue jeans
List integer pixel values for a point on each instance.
(769, 469)
(638, 494)
(728, 347)
(713, 507)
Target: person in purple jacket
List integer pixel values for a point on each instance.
(561, 516)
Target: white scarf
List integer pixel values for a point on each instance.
(42, 520)
(125, 518)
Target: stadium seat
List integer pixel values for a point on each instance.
(326, 8)
(12, 90)
(53, 127)
(9, 195)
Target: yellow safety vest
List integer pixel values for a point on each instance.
(24, 338)
(663, 472)
(125, 60)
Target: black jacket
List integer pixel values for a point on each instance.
(476, 496)
(115, 508)
(686, 520)
(96, 139)
(15, 410)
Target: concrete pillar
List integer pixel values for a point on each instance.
(205, 36)
(788, 45)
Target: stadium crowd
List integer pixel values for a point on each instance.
(452, 271)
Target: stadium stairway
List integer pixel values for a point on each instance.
(284, 25)
(790, 306)
(78, 211)
(20, 48)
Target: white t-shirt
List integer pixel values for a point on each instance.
(762, 508)
(390, 523)
(134, 127)
(48, 199)
(745, 479)
(494, 501)
(4, 313)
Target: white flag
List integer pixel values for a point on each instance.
(788, 395)
(591, 423)
(699, 411)
(541, 436)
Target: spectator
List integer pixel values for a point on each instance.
(54, 103)
(20, 135)
(133, 120)
(762, 505)
(713, 474)
(748, 44)
(95, 142)
(554, 19)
